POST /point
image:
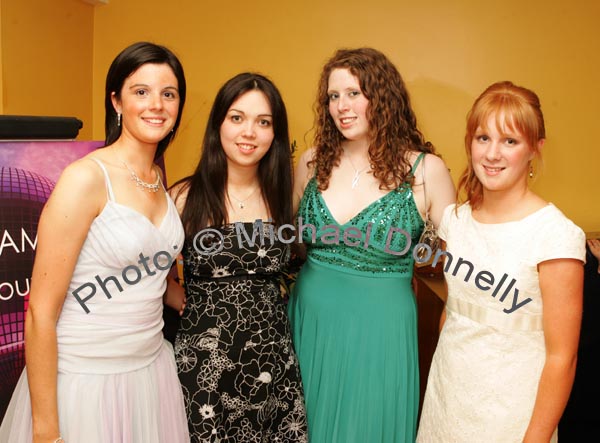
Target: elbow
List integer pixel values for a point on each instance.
(565, 363)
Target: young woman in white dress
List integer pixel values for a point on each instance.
(98, 369)
(505, 360)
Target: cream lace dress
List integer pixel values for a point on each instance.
(485, 371)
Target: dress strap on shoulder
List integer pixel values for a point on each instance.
(416, 163)
(109, 190)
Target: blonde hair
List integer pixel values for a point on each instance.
(515, 107)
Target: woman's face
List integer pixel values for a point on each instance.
(149, 103)
(247, 131)
(500, 156)
(348, 105)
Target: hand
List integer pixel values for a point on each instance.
(594, 245)
(175, 296)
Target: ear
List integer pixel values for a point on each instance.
(540, 145)
(115, 102)
(538, 149)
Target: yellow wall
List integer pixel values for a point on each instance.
(448, 52)
(47, 59)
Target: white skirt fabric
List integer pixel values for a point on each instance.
(141, 406)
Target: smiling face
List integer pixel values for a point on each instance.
(500, 156)
(348, 105)
(247, 131)
(149, 103)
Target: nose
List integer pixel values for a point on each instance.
(493, 151)
(248, 129)
(343, 103)
(156, 101)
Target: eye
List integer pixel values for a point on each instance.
(511, 142)
(235, 118)
(354, 93)
(334, 96)
(170, 95)
(264, 122)
(482, 138)
(141, 92)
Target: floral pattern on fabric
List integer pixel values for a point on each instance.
(234, 352)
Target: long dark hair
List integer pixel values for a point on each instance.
(205, 201)
(125, 64)
(393, 127)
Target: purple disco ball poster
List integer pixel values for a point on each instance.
(28, 172)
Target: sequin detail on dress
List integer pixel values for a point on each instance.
(396, 209)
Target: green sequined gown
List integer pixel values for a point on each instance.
(354, 322)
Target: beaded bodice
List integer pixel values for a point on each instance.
(371, 242)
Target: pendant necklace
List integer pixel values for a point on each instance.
(357, 172)
(150, 187)
(242, 203)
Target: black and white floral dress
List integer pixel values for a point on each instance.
(234, 353)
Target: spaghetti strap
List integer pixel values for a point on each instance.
(417, 161)
(111, 195)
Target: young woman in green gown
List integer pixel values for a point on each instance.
(353, 310)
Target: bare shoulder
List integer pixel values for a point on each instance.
(78, 197)
(81, 179)
(178, 192)
(434, 164)
(304, 171)
(440, 190)
(303, 174)
(307, 156)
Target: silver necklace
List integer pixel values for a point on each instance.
(150, 187)
(241, 203)
(357, 172)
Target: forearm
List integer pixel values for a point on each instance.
(174, 296)
(553, 393)
(442, 318)
(41, 358)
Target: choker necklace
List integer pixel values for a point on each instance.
(150, 187)
(357, 172)
(241, 203)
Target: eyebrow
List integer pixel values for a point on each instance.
(242, 112)
(137, 85)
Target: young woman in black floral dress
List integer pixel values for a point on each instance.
(234, 352)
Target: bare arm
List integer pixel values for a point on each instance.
(594, 245)
(443, 315)
(62, 229)
(302, 175)
(561, 283)
(174, 296)
(440, 188)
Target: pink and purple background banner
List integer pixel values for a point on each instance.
(28, 172)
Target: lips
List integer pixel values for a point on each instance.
(245, 147)
(346, 122)
(490, 170)
(154, 120)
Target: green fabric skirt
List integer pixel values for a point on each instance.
(356, 341)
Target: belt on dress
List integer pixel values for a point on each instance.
(498, 320)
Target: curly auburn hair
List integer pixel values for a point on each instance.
(392, 123)
(515, 108)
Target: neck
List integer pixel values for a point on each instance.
(242, 178)
(505, 205)
(358, 154)
(356, 148)
(137, 155)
